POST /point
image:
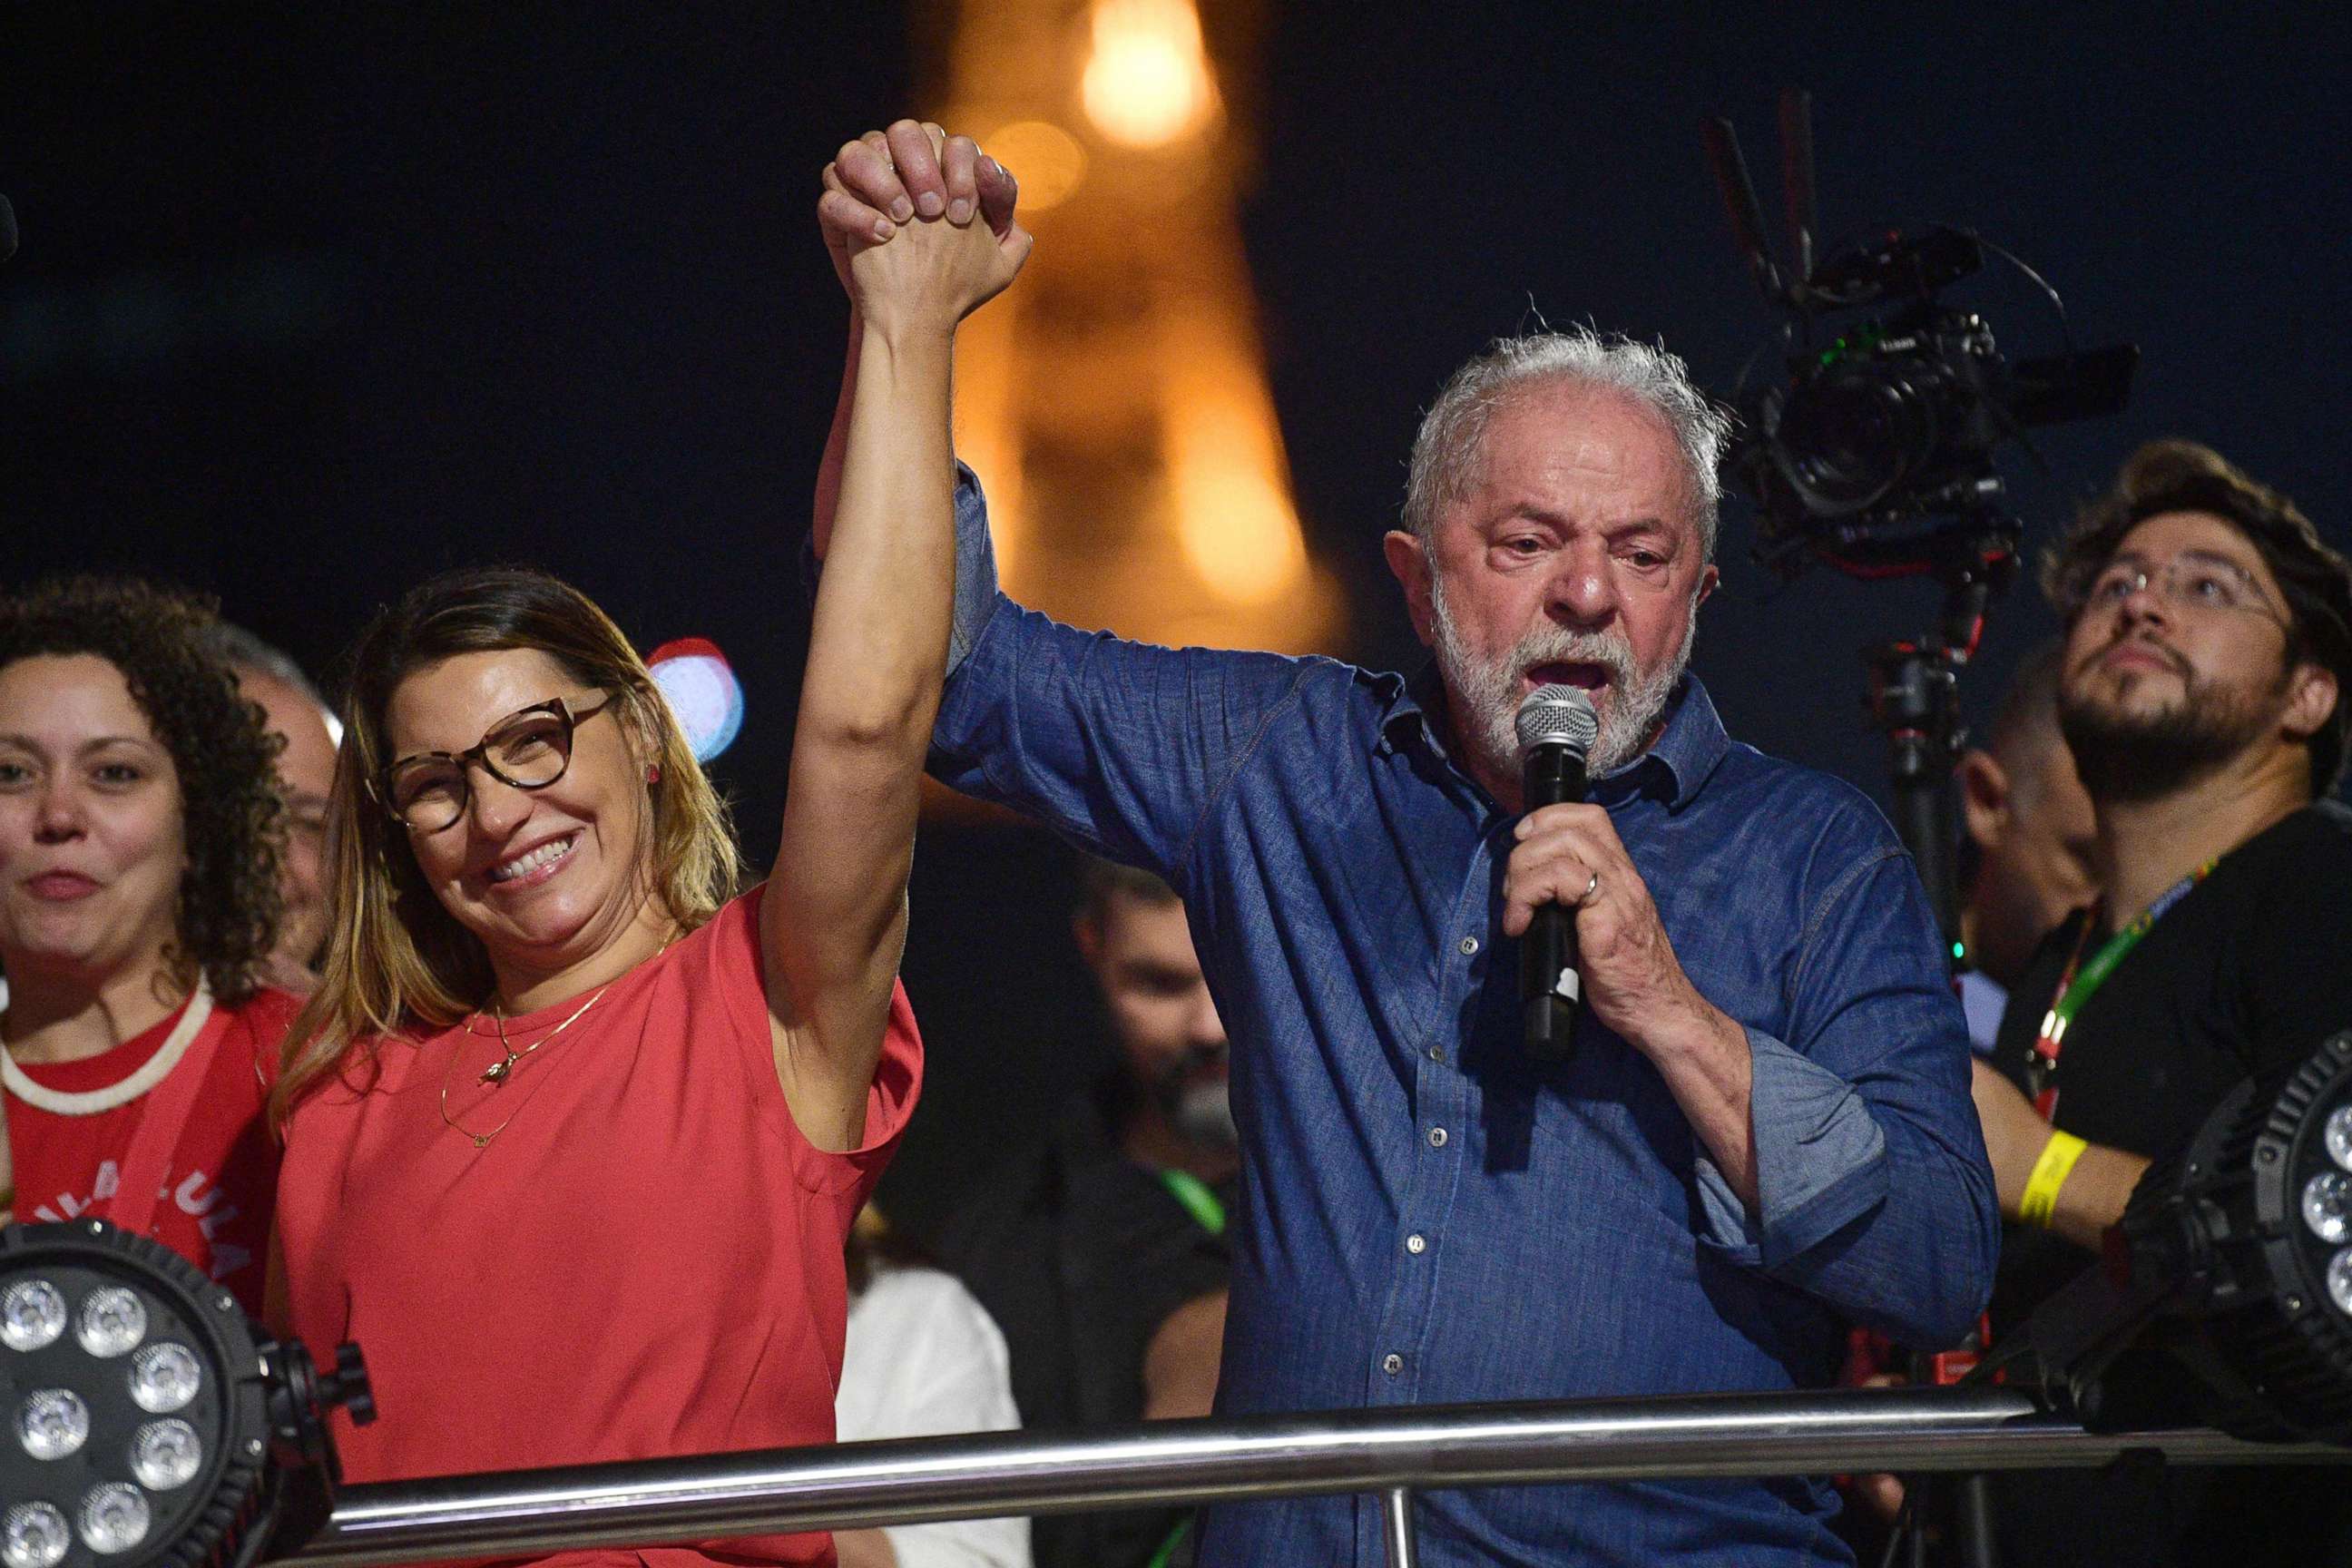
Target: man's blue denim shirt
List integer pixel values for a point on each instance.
(1426, 1216)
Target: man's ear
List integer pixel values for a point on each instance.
(1407, 560)
(2312, 696)
(1984, 797)
(1086, 935)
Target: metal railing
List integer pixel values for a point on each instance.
(1392, 1453)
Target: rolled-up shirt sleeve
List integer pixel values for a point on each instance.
(1874, 1193)
(1820, 1160)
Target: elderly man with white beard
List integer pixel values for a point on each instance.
(1764, 1133)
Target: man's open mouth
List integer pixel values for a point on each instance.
(1579, 673)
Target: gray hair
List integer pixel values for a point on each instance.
(1446, 448)
(247, 653)
(243, 650)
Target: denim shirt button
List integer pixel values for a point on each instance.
(1437, 1136)
(1392, 1363)
(1416, 1243)
(1469, 946)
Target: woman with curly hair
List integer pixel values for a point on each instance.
(573, 1129)
(139, 845)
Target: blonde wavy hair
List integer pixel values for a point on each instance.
(396, 962)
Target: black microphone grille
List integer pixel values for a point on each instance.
(7, 229)
(1557, 716)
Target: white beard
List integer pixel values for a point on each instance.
(1489, 690)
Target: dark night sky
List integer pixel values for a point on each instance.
(313, 303)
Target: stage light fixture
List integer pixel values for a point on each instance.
(149, 1421)
(2233, 1262)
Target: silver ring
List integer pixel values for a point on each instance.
(1590, 888)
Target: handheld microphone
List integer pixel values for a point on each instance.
(7, 229)
(1556, 728)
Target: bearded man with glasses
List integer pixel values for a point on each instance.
(2202, 686)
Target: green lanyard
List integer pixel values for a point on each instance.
(2080, 981)
(1159, 1559)
(1201, 1204)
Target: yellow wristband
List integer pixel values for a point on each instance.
(2050, 1173)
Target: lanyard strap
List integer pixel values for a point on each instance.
(1167, 1552)
(1199, 1202)
(2079, 980)
(147, 1164)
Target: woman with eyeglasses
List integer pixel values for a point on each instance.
(140, 832)
(573, 1131)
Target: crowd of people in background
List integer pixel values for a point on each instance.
(445, 1017)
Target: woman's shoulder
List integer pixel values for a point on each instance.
(365, 1067)
(723, 950)
(735, 919)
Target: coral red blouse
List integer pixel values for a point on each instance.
(645, 1261)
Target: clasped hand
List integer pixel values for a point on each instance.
(897, 214)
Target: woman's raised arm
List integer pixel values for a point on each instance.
(834, 918)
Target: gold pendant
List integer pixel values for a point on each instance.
(479, 1141)
(496, 1073)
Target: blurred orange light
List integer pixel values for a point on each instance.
(1147, 82)
(1116, 401)
(1047, 160)
(1238, 532)
(1234, 515)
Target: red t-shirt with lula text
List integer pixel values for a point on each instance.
(645, 1259)
(220, 1182)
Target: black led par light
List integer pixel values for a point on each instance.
(2234, 1263)
(147, 1421)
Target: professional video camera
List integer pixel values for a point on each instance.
(1876, 453)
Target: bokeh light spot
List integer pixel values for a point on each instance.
(700, 687)
(1045, 159)
(1147, 82)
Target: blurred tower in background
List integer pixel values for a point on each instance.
(1114, 401)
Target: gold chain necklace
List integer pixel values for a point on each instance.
(496, 1074)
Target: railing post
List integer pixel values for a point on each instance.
(1396, 1519)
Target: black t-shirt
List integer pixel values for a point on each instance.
(1080, 1254)
(2248, 972)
